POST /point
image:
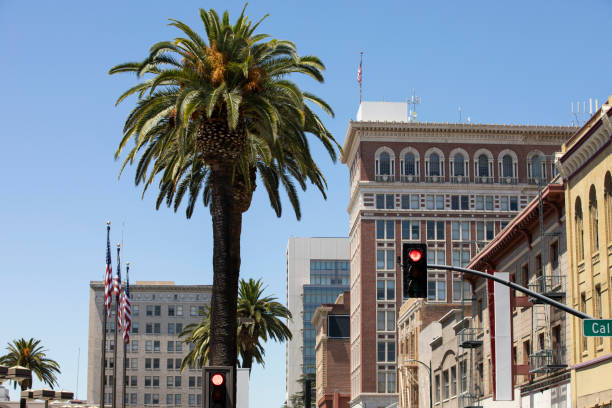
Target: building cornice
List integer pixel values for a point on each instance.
(425, 131)
(587, 142)
(99, 285)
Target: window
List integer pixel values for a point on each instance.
(149, 310)
(445, 384)
(170, 364)
(385, 229)
(507, 166)
(179, 310)
(579, 231)
(434, 202)
(435, 230)
(484, 203)
(485, 230)
(177, 399)
(170, 328)
(385, 259)
(461, 257)
(463, 370)
(536, 168)
(133, 381)
(169, 399)
(157, 310)
(149, 345)
(191, 382)
(155, 399)
(458, 165)
(179, 346)
(156, 328)
(437, 388)
(410, 168)
(385, 201)
(461, 288)
(385, 320)
(434, 165)
(193, 311)
(191, 400)
(135, 310)
(453, 385)
(149, 328)
(384, 164)
(594, 219)
(460, 202)
(554, 262)
(386, 351)
(483, 166)
(156, 363)
(411, 230)
(147, 381)
(134, 345)
(178, 381)
(436, 287)
(171, 310)
(460, 230)
(385, 290)
(147, 399)
(156, 346)
(436, 256)
(410, 201)
(405, 202)
(171, 347)
(135, 327)
(508, 203)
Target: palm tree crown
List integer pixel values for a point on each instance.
(211, 114)
(30, 354)
(259, 319)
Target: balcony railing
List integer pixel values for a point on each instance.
(434, 179)
(508, 180)
(467, 400)
(459, 179)
(483, 180)
(547, 360)
(386, 178)
(410, 178)
(470, 337)
(552, 286)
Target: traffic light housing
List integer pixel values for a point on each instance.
(414, 270)
(218, 387)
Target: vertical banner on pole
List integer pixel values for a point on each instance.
(503, 340)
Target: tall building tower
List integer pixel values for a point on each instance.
(452, 186)
(160, 311)
(317, 272)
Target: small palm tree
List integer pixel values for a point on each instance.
(259, 318)
(212, 113)
(30, 354)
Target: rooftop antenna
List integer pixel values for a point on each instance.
(460, 114)
(413, 102)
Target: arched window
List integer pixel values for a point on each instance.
(409, 165)
(385, 164)
(579, 231)
(594, 220)
(434, 164)
(536, 167)
(507, 168)
(483, 166)
(608, 205)
(458, 165)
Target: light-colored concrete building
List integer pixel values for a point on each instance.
(317, 272)
(586, 167)
(160, 310)
(453, 186)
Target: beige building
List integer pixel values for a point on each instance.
(586, 167)
(160, 310)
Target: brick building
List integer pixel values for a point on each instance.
(454, 186)
(331, 323)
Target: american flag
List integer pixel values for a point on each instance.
(117, 288)
(359, 73)
(108, 276)
(126, 309)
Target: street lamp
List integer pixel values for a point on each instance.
(428, 367)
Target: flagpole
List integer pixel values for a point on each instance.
(361, 74)
(125, 345)
(104, 312)
(116, 344)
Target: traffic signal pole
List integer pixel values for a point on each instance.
(514, 286)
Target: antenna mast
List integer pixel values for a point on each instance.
(413, 102)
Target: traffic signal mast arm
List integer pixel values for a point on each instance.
(514, 286)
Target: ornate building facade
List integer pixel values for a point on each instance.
(453, 186)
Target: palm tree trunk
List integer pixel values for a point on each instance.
(227, 224)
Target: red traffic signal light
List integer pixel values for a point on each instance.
(415, 255)
(414, 270)
(217, 379)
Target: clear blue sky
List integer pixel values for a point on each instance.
(502, 62)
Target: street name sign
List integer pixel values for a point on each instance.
(597, 327)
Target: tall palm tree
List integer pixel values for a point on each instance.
(30, 354)
(213, 113)
(259, 319)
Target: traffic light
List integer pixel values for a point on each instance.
(414, 270)
(218, 387)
